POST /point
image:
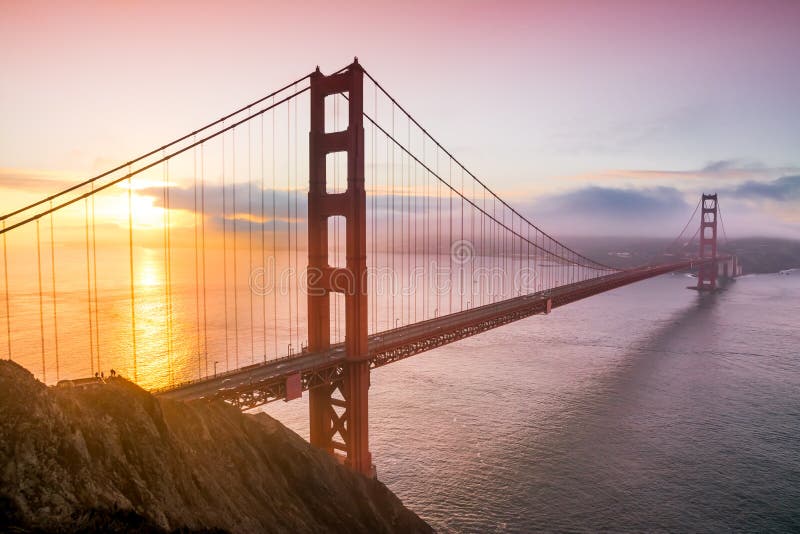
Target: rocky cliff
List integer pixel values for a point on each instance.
(115, 458)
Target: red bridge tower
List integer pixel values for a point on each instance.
(338, 411)
(707, 275)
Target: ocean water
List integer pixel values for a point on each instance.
(648, 408)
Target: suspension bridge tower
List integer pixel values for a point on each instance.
(707, 275)
(338, 412)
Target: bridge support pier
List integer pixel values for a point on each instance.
(339, 411)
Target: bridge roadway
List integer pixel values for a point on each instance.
(286, 377)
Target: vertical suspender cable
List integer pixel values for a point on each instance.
(289, 214)
(196, 272)
(53, 275)
(461, 265)
(408, 197)
(373, 223)
(415, 197)
(503, 239)
(250, 226)
(41, 304)
(407, 242)
(225, 257)
(393, 293)
(96, 301)
(402, 241)
(425, 236)
(388, 291)
(474, 248)
(404, 257)
(274, 238)
(168, 269)
(130, 265)
(483, 245)
(495, 251)
(263, 251)
(235, 263)
(88, 285)
(5, 276)
(164, 237)
(438, 232)
(296, 235)
(203, 245)
(450, 238)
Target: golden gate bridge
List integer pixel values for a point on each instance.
(298, 242)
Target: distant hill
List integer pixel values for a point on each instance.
(766, 255)
(756, 254)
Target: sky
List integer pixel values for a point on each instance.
(593, 117)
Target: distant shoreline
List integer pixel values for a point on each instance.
(757, 255)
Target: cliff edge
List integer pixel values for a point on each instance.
(115, 458)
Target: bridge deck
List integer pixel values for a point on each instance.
(257, 384)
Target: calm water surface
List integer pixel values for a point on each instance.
(649, 408)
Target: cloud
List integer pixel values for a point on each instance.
(725, 165)
(784, 189)
(751, 208)
(280, 205)
(712, 174)
(603, 201)
(596, 211)
(286, 203)
(30, 180)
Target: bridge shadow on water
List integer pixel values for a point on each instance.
(606, 459)
(675, 337)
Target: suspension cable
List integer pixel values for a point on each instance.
(592, 263)
(452, 189)
(691, 218)
(722, 222)
(155, 151)
(390, 97)
(150, 165)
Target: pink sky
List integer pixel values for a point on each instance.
(538, 98)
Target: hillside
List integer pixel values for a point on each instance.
(114, 458)
(757, 255)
